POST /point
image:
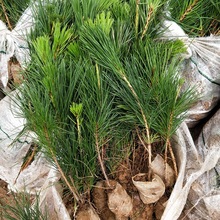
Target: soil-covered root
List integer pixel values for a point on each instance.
(160, 207)
(119, 202)
(87, 212)
(123, 174)
(100, 201)
(140, 210)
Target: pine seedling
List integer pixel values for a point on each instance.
(22, 208)
(95, 74)
(104, 52)
(43, 105)
(171, 101)
(99, 118)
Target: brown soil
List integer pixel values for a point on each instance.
(5, 196)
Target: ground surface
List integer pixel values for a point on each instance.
(5, 196)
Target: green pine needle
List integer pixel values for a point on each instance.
(96, 76)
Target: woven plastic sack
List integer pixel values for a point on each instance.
(50, 198)
(14, 43)
(200, 69)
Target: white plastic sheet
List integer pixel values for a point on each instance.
(197, 162)
(14, 43)
(192, 168)
(13, 149)
(39, 177)
(200, 69)
(205, 192)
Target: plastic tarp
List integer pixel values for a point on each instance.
(14, 43)
(200, 69)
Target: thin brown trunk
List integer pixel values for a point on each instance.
(75, 193)
(6, 16)
(145, 121)
(99, 157)
(173, 158)
(147, 22)
(188, 10)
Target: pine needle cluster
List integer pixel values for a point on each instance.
(21, 207)
(197, 18)
(97, 75)
(11, 11)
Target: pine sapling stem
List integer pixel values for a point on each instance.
(145, 121)
(6, 16)
(74, 188)
(147, 22)
(96, 135)
(99, 157)
(168, 144)
(169, 147)
(165, 159)
(188, 10)
(64, 177)
(141, 140)
(173, 158)
(79, 130)
(75, 194)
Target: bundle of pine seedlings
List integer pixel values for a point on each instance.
(104, 98)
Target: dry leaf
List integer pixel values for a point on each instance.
(15, 72)
(149, 191)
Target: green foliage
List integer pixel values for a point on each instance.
(76, 109)
(22, 208)
(98, 74)
(13, 9)
(104, 21)
(197, 18)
